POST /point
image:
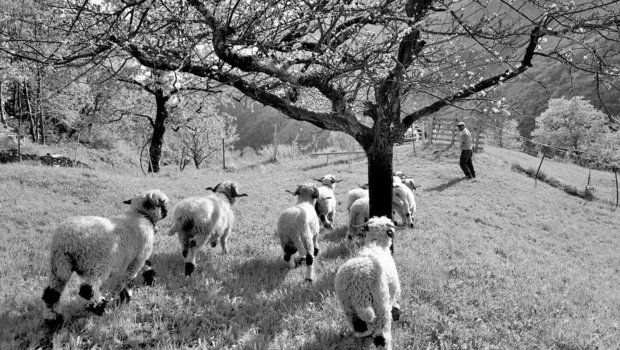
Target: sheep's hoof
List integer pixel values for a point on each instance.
(395, 313)
(149, 277)
(309, 280)
(379, 341)
(189, 269)
(213, 244)
(54, 323)
(124, 296)
(98, 309)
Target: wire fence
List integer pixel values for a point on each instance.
(576, 174)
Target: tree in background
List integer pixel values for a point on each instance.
(572, 125)
(200, 128)
(348, 66)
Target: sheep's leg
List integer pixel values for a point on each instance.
(90, 290)
(330, 219)
(360, 318)
(190, 257)
(149, 273)
(289, 250)
(224, 238)
(61, 269)
(307, 256)
(126, 284)
(315, 242)
(382, 338)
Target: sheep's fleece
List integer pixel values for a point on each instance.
(198, 220)
(368, 286)
(98, 248)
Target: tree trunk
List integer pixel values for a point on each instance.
(380, 156)
(159, 129)
(40, 106)
(2, 118)
(31, 121)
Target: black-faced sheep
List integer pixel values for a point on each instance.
(197, 220)
(98, 248)
(326, 203)
(368, 286)
(298, 228)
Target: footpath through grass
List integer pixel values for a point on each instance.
(492, 263)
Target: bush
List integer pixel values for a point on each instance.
(586, 194)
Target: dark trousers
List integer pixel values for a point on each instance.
(466, 164)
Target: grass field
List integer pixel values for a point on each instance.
(492, 263)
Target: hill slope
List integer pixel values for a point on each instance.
(492, 263)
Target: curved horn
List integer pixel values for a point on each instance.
(213, 189)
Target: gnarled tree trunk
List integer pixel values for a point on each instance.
(159, 129)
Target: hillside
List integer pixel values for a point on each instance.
(492, 263)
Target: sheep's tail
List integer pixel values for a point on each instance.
(366, 314)
(185, 224)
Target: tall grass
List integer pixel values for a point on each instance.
(492, 263)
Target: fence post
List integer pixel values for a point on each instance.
(477, 144)
(537, 171)
(431, 128)
(616, 175)
(223, 155)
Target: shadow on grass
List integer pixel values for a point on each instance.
(332, 163)
(336, 341)
(24, 330)
(447, 185)
(334, 251)
(335, 235)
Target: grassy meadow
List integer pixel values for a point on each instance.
(492, 263)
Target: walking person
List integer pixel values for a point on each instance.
(466, 152)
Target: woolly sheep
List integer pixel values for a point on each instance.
(326, 203)
(403, 203)
(357, 216)
(368, 287)
(298, 228)
(355, 194)
(98, 248)
(197, 220)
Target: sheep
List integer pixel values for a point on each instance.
(326, 203)
(403, 203)
(98, 248)
(355, 194)
(298, 228)
(197, 220)
(358, 215)
(368, 287)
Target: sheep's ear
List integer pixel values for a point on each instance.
(235, 194)
(339, 180)
(127, 201)
(319, 180)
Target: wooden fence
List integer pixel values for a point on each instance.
(443, 130)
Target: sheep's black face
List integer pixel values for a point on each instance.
(154, 206)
